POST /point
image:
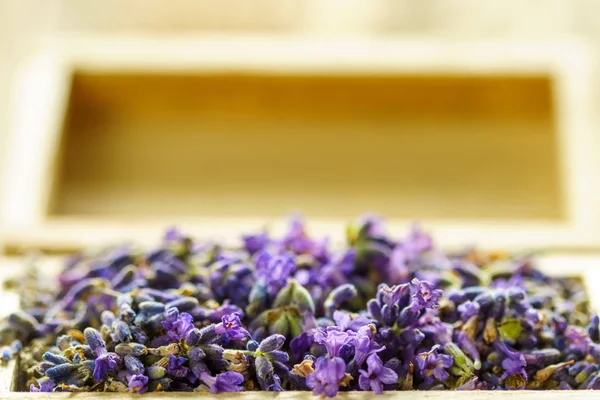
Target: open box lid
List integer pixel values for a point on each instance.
(484, 143)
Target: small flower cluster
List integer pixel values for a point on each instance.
(294, 314)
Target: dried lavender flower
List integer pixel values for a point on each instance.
(293, 313)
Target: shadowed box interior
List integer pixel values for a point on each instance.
(405, 146)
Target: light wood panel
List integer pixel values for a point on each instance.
(444, 147)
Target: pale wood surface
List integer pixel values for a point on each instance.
(403, 146)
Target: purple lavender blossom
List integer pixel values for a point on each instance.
(329, 372)
(365, 345)
(180, 318)
(578, 339)
(138, 383)
(274, 270)
(231, 326)
(425, 296)
(376, 375)
(399, 271)
(468, 309)
(301, 343)
(177, 324)
(514, 366)
(297, 240)
(46, 385)
(105, 361)
(333, 338)
(346, 322)
(175, 366)
(416, 243)
(229, 381)
(255, 243)
(432, 365)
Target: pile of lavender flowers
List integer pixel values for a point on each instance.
(293, 314)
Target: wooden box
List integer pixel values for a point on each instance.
(485, 143)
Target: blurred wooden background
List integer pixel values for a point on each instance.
(509, 164)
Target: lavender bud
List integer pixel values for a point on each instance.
(16, 345)
(44, 366)
(93, 339)
(155, 372)
(107, 317)
(595, 352)
(138, 334)
(470, 327)
(564, 386)
(460, 358)
(273, 342)
(133, 349)
(585, 373)
(264, 368)
(60, 371)
(193, 337)
(214, 354)
(294, 294)
(388, 314)
(55, 358)
(542, 357)
(183, 304)
(594, 383)
(172, 348)
(374, 309)
(412, 336)
(485, 300)
(134, 365)
(279, 356)
(152, 307)
(121, 332)
(117, 387)
(196, 354)
(408, 316)
(126, 313)
(124, 277)
(338, 296)
(252, 345)
(208, 334)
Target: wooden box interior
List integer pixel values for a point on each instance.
(454, 147)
